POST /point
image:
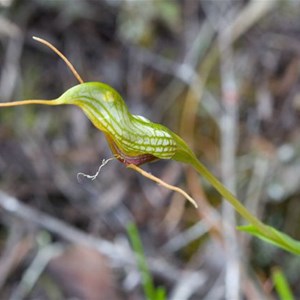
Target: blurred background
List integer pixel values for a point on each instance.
(222, 74)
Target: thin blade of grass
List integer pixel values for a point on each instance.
(281, 285)
(147, 280)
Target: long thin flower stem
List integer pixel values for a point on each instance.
(239, 207)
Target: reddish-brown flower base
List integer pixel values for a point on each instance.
(129, 160)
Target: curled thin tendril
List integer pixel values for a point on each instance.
(93, 177)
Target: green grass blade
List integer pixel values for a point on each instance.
(276, 238)
(281, 285)
(160, 293)
(147, 281)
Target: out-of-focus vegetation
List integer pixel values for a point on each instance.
(223, 74)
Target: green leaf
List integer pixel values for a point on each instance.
(281, 285)
(274, 237)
